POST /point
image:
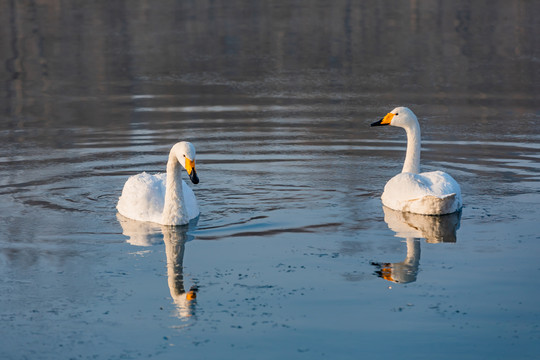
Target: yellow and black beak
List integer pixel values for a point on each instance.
(190, 168)
(384, 121)
(385, 271)
(192, 294)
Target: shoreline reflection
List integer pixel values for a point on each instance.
(174, 238)
(413, 227)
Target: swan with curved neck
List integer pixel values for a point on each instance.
(429, 193)
(163, 198)
(175, 239)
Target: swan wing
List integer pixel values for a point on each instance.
(143, 197)
(441, 184)
(432, 193)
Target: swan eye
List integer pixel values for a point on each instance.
(397, 114)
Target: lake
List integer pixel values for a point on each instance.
(293, 255)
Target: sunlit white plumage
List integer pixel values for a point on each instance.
(163, 198)
(429, 193)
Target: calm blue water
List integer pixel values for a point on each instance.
(293, 255)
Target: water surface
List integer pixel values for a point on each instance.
(293, 255)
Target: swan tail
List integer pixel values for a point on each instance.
(434, 205)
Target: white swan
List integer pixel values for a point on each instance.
(430, 193)
(164, 199)
(175, 244)
(175, 238)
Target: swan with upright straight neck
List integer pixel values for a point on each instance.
(429, 193)
(164, 199)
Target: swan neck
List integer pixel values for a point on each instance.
(174, 249)
(413, 251)
(412, 158)
(174, 211)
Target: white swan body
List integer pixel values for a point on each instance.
(430, 193)
(164, 199)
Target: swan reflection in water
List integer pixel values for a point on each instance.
(175, 238)
(412, 227)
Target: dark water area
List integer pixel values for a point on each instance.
(293, 255)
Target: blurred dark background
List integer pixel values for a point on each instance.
(57, 53)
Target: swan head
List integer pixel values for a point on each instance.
(400, 116)
(185, 153)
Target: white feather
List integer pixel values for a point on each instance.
(144, 195)
(429, 193)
